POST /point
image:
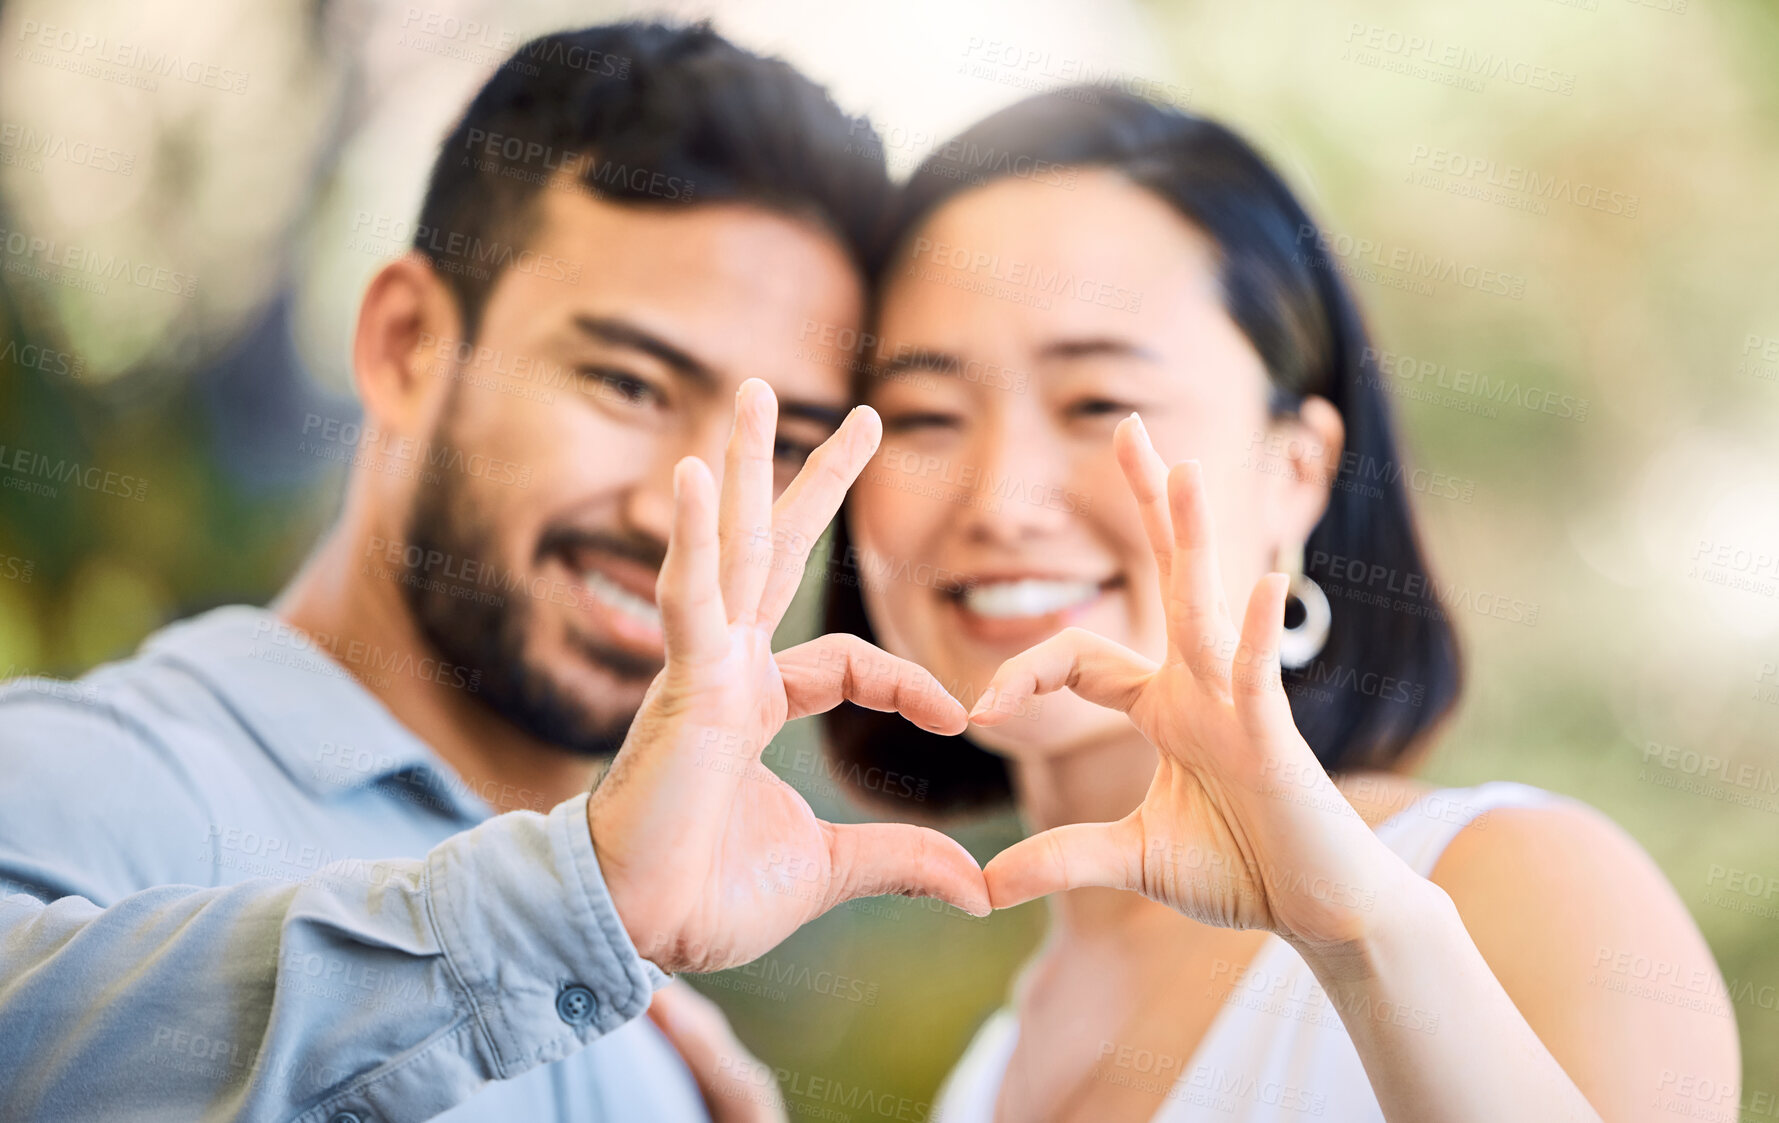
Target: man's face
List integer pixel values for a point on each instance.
(613, 348)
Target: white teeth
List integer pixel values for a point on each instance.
(611, 593)
(1032, 597)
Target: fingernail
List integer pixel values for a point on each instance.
(859, 433)
(983, 704)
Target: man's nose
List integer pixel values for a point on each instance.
(649, 505)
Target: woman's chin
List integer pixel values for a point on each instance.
(1047, 732)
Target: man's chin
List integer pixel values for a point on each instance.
(581, 700)
(617, 665)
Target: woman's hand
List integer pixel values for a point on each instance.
(1241, 827)
(709, 857)
(737, 1087)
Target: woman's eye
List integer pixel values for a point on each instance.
(620, 387)
(1100, 407)
(914, 421)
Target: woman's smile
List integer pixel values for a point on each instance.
(1015, 610)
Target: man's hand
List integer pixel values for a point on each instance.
(710, 858)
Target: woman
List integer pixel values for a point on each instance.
(1130, 288)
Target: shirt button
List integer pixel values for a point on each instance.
(575, 1005)
(345, 1117)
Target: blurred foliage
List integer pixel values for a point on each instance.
(1606, 522)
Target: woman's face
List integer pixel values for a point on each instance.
(1022, 322)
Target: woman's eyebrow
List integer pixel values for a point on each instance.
(1096, 346)
(919, 358)
(943, 362)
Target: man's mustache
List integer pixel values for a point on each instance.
(642, 549)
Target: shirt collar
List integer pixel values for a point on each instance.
(322, 726)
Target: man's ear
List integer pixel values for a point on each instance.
(405, 321)
(1312, 444)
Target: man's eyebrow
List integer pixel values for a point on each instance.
(825, 415)
(623, 333)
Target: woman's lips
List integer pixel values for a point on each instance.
(1022, 611)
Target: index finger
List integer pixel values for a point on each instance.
(1146, 473)
(808, 505)
(836, 668)
(744, 513)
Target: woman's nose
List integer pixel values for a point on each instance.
(1012, 484)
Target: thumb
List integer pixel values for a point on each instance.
(1067, 857)
(872, 859)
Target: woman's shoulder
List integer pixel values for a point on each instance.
(969, 1092)
(1378, 796)
(1420, 821)
(1546, 845)
(1389, 801)
(1591, 941)
(1524, 865)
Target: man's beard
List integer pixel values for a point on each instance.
(487, 634)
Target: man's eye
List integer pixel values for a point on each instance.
(791, 453)
(617, 386)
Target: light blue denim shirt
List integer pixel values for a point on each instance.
(238, 888)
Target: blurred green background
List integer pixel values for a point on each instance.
(1611, 164)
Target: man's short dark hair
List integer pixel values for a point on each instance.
(646, 113)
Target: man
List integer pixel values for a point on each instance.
(259, 870)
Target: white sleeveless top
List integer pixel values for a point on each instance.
(1277, 1048)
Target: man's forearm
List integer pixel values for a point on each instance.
(392, 989)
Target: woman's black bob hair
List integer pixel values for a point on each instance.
(1390, 670)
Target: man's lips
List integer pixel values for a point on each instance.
(634, 577)
(618, 601)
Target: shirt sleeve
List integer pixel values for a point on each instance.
(380, 991)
